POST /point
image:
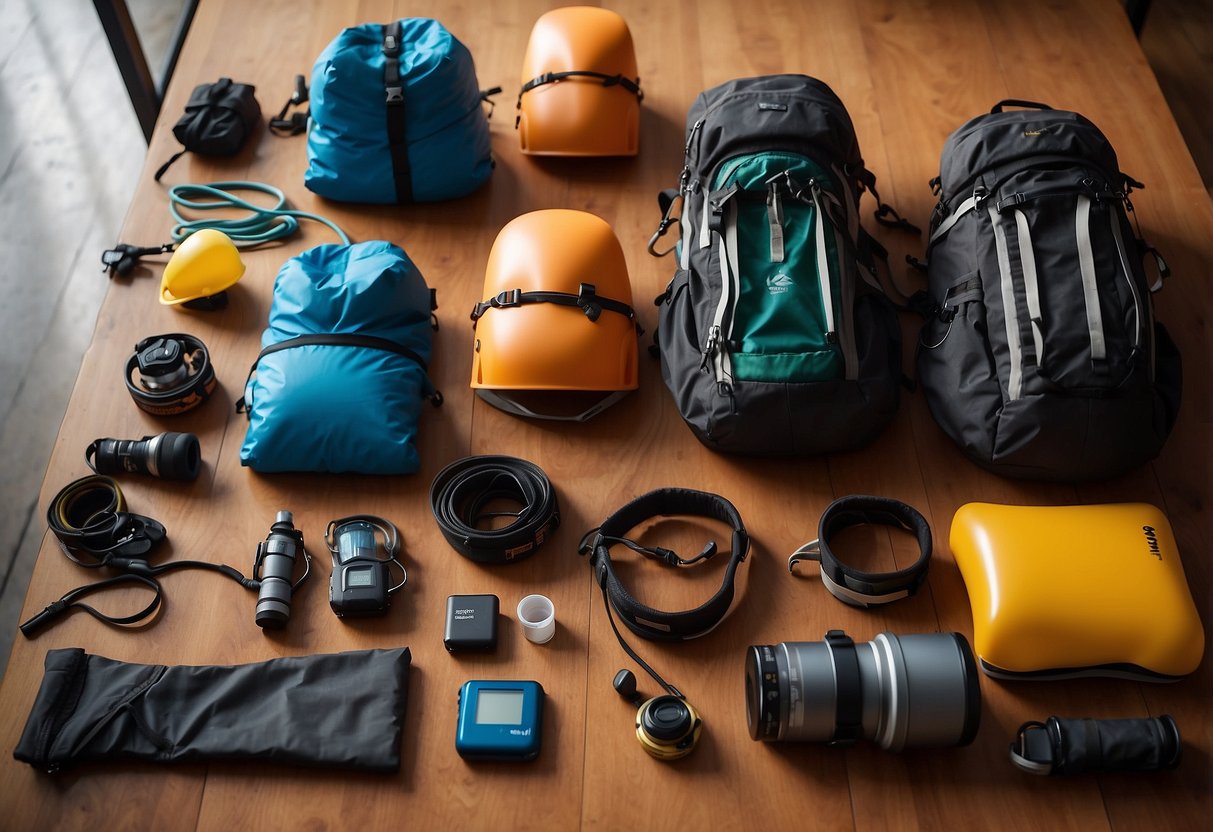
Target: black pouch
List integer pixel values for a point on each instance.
(217, 120)
(340, 709)
(1076, 746)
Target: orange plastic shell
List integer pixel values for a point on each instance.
(579, 116)
(1096, 589)
(545, 346)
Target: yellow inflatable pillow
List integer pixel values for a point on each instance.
(1060, 591)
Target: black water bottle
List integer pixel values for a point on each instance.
(275, 562)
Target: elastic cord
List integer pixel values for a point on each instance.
(260, 225)
(463, 489)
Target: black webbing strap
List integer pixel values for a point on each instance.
(587, 299)
(848, 694)
(369, 342)
(397, 121)
(72, 599)
(607, 81)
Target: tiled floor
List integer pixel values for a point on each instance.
(70, 152)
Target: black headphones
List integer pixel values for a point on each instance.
(867, 589)
(667, 726)
(175, 374)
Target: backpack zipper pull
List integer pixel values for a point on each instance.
(710, 347)
(775, 222)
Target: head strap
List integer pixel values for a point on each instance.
(850, 585)
(643, 620)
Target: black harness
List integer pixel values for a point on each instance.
(852, 586)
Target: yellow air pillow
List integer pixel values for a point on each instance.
(1060, 591)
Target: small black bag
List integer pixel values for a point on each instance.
(217, 120)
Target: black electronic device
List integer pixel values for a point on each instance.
(500, 720)
(273, 565)
(471, 623)
(174, 374)
(360, 585)
(667, 726)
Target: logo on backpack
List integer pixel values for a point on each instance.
(779, 284)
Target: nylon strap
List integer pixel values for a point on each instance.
(607, 81)
(848, 690)
(1031, 286)
(587, 299)
(397, 120)
(1090, 286)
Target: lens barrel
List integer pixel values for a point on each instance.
(170, 456)
(277, 560)
(911, 691)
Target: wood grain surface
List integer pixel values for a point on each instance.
(909, 71)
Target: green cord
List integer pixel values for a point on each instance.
(261, 225)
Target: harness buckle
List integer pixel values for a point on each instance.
(395, 95)
(586, 297)
(507, 299)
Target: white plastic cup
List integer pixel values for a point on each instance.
(538, 618)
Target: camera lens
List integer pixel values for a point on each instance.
(666, 718)
(909, 691)
(170, 456)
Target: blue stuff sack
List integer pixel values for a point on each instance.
(396, 116)
(342, 371)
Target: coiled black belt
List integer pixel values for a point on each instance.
(463, 489)
(194, 389)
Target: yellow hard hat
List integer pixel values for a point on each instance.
(580, 91)
(556, 316)
(204, 264)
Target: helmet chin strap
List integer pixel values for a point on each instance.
(502, 402)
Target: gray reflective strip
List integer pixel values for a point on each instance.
(846, 336)
(1086, 265)
(1010, 316)
(946, 226)
(852, 210)
(1124, 265)
(823, 263)
(1027, 259)
(685, 222)
(501, 402)
(775, 221)
(705, 230)
(734, 274)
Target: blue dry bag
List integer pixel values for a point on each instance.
(342, 371)
(396, 116)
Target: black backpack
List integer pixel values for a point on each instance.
(1040, 356)
(765, 350)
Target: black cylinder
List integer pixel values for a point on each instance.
(276, 558)
(170, 456)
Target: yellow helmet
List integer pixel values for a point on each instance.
(556, 316)
(203, 265)
(580, 91)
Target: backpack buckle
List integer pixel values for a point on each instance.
(586, 297)
(395, 95)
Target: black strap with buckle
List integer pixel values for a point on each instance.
(587, 299)
(607, 80)
(397, 120)
(850, 585)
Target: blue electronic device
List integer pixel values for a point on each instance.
(500, 720)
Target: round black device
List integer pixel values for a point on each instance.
(667, 726)
(170, 456)
(174, 374)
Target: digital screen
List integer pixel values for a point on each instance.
(499, 707)
(360, 577)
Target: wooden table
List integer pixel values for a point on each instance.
(909, 73)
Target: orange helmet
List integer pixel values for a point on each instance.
(557, 316)
(580, 91)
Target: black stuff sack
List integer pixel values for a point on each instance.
(298, 710)
(218, 118)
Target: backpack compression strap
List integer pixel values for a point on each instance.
(397, 122)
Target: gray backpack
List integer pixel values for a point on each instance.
(774, 336)
(1040, 356)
